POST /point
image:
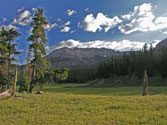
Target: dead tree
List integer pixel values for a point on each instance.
(145, 84)
(14, 85)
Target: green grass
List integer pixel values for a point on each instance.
(80, 89)
(73, 104)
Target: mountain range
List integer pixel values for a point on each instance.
(79, 57)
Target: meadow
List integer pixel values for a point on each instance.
(74, 104)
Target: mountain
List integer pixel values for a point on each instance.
(161, 44)
(78, 57)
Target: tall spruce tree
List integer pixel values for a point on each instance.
(37, 46)
(7, 53)
(3, 59)
(12, 52)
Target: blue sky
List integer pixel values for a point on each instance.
(121, 25)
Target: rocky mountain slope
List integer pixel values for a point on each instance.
(76, 57)
(161, 44)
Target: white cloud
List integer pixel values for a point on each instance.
(165, 32)
(29, 31)
(73, 31)
(50, 26)
(65, 27)
(70, 12)
(143, 19)
(155, 42)
(67, 23)
(21, 50)
(59, 20)
(20, 9)
(34, 9)
(4, 19)
(161, 22)
(24, 15)
(8, 27)
(127, 17)
(124, 45)
(92, 24)
(23, 19)
(87, 9)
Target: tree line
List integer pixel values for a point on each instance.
(154, 61)
(131, 64)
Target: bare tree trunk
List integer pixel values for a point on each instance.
(32, 81)
(14, 86)
(145, 84)
(28, 64)
(51, 79)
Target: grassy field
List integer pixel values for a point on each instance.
(72, 104)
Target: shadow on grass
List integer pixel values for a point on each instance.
(83, 89)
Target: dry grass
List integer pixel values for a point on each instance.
(84, 106)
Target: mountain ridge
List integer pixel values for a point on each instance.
(67, 57)
(79, 57)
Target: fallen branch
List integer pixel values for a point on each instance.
(5, 94)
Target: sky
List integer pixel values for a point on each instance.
(121, 25)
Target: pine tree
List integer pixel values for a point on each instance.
(24, 82)
(7, 53)
(12, 35)
(37, 47)
(61, 73)
(3, 59)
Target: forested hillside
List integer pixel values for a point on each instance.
(131, 64)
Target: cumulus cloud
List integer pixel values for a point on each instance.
(70, 12)
(165, 32)
(65, 27)
(124, 45)
(93, 24)
(142, 19)
(127, 16)
(23, 19)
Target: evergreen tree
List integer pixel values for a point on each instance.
(24, 82)
(12, 35)
(37, 46)
(3, 59)
(7, 53)
(61, 73)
